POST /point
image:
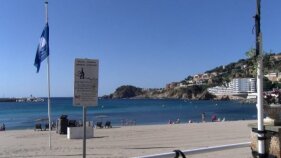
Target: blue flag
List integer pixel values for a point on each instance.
(42, 48)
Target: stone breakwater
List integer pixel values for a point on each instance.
(8, 99)
(33, 99)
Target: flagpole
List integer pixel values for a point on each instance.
(259, 55)
(49, 89)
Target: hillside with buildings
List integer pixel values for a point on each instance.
(233, 81)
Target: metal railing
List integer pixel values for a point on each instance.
(199, 150)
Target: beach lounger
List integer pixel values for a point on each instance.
(99, 124)
(47, 127)
(107, 124)
(3, 128)
(38, 127)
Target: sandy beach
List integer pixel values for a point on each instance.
(130, 141)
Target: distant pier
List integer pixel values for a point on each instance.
(29, 99)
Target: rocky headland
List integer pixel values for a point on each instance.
(132, 92)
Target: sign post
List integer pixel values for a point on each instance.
(84, 131)
(85, 88)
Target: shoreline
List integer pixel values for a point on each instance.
(129, 141)
(149, 124)
(143, 112)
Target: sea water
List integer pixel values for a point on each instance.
(24, 115)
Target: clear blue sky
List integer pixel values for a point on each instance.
(146, 43)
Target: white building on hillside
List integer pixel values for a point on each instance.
(220, 90)
(235, 87)
(243, 85)
(274, 76)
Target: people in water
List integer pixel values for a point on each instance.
(214, 118)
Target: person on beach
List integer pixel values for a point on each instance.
(214, 118)
(170, 122)
(203, 117)
(178, 121)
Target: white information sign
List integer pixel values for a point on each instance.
(86, 82)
